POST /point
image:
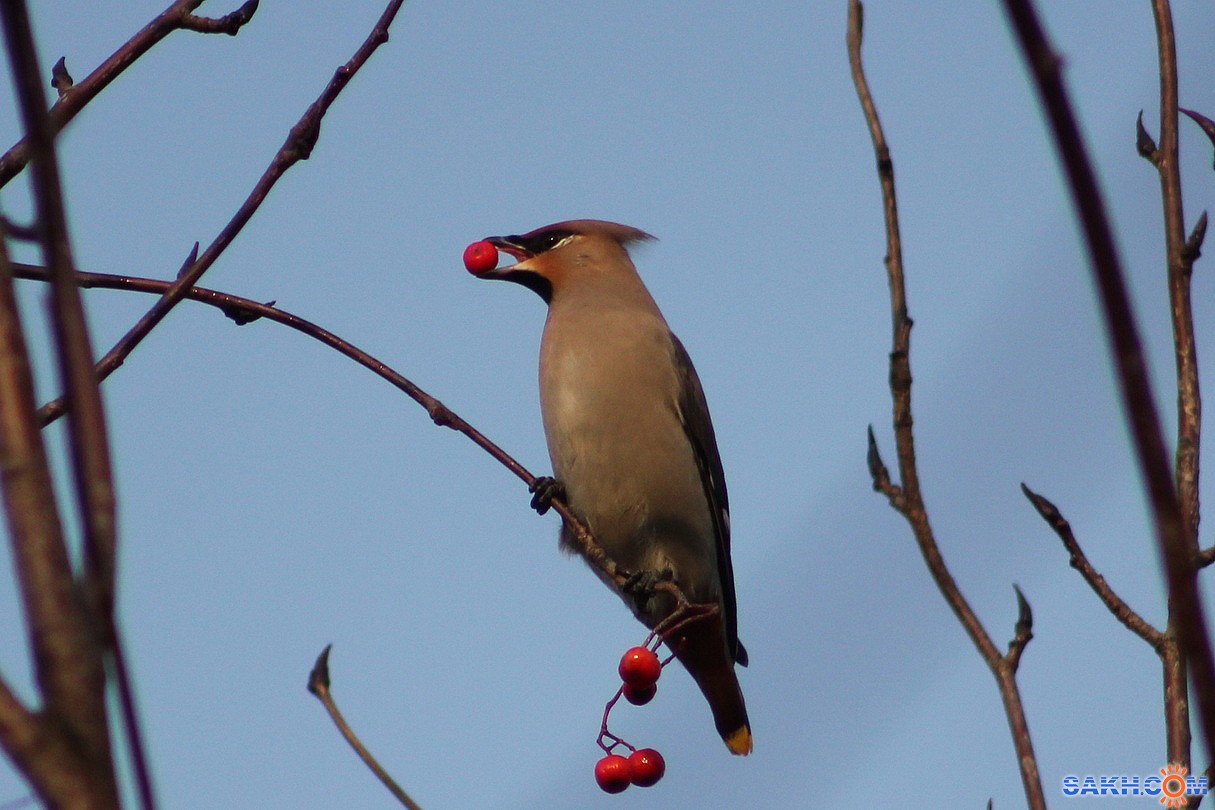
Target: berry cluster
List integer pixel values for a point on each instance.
(644, 767)
(639, 671)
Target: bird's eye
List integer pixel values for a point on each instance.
(544, 241)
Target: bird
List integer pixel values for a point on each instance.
(631, 444)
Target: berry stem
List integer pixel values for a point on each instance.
(603, 727)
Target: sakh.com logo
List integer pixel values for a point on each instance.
(1173, 785)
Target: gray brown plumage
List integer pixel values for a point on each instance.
(631, 441)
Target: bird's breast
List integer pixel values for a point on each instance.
(609, 391)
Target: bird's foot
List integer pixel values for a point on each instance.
(543, 491)
(641, 585)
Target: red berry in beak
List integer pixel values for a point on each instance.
(480, 257)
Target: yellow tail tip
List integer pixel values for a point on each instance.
(739, 741)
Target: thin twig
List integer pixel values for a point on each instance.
(318, 684)
(1177, 553)
(140, 759)
(1078, 560)
(244, 310)
(1180, 255)
(73, 100)
(1179, 264)
(229, 24)
(297, 147)
(906, 497)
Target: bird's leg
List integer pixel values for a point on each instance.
(642, 588)
(681, 617)
(543, 490)
(641, 584)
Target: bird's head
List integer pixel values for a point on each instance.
(548, 258)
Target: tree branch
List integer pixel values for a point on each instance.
(67, 658)
(85, 714)
(87, 430)
(1179, 264)
(1112, 601)
(229, 24)
(244, 310)
(907, 498)
(74, 99)
(1180, 254)
(318, 685)
(297, 147)
(1176, 551)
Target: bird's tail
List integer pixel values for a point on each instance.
(701, 648)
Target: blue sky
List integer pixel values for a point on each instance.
(275, 497)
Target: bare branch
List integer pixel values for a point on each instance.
(912, 505)
(1174, 537)
(907, 499)
(318, 684)
(1179, 260)
(19, 232)
(87, 429)
(73, 679)
(67, 659)
(1112, 601)
(229, 24)
(74, 100)
(1180, 253)
(297, 147)
(244, 310)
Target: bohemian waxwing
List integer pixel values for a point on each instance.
(631, 442)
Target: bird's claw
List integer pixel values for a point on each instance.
(640, 584)
(543, 490)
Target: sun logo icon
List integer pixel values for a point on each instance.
(1172, 785)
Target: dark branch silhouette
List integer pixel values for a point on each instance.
(905, 496)
(298, 146)
(1173, 527)
(68, 638)
(73, 100)
(318, 685)
(1121, 610)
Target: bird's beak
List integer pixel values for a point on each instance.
(520, 272)
(511, 246)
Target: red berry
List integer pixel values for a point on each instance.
(613, 773)
(640, 695)
(480, 257)
(640, 667)
(646, 767)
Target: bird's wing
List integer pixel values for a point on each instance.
(694, 414)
